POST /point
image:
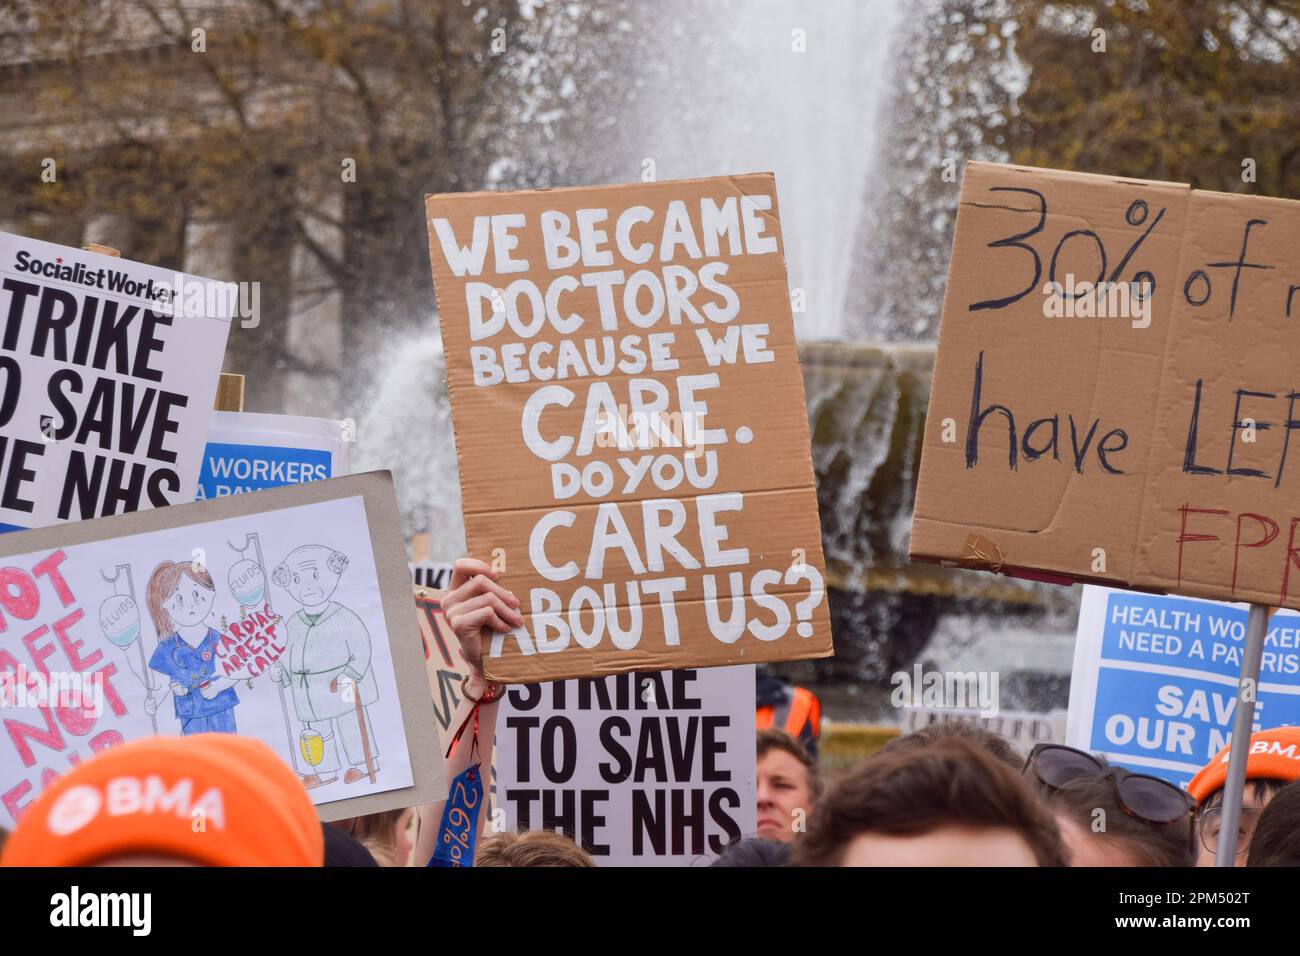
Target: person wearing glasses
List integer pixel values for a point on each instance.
(1111, 817)
(1273, 762)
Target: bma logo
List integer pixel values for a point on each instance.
(1273, 748)
(122, 796)
(74, 810)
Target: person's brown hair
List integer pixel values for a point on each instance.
(1147, 844)
(377, 832)
(995, 744)
(163, 582)
(1276, 840)
(533, 848)
(773, 739)
(1257, 788)
(918, 789)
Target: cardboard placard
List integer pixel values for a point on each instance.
(447, 671)
(1114, 391)
(249, 451)
(630, 424)
(443, 661)
(643, 769)
(1155, 679)
(297, 597)
(108, 368)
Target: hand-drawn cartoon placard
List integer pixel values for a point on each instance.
(1115, 388)
(1155, 679)
(273, 615)
(642, 769)
(630, 424)
(108, 369)
(248, 451)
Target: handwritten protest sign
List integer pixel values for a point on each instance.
(248, 451)
(630, 424)
(1114, 391)
(283, 615)
(640, 769)
(447, 671)
(443, 660)
(107, 372)
(1155, 680)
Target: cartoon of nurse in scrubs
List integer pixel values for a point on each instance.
(180, 596)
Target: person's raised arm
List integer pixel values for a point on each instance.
(476, 607)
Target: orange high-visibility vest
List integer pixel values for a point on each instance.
(800, 716)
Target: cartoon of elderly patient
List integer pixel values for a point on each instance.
(329, 649)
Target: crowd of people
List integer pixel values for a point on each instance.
(951, 794)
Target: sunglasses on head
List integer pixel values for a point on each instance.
(1148, 798)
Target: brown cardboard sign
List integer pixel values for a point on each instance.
(630, 424)
(443, 660)
(1115, 390)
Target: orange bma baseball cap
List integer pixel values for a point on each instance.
(213, 799)
(1274, 754)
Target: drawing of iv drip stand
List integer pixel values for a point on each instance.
(119, 619)
(247, 581)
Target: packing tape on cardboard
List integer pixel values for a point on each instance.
(980, 554)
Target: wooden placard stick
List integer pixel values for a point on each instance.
(230, 393)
